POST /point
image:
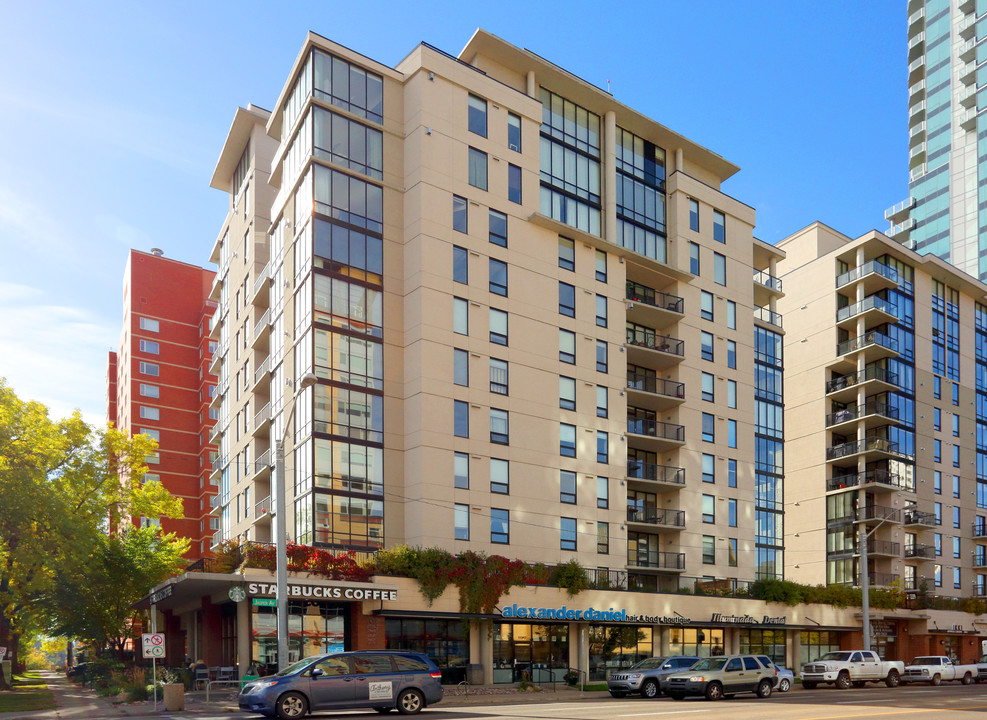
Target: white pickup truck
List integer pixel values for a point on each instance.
(935, 669)
(844, 668)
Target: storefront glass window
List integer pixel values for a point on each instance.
(764, 642)
(313, 628)
(614, 647)
(702, 642)
(537, 652)
(445, 641)
(815, 644)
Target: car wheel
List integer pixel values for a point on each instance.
(764, 689)
(410, 702)
(808, 685)
(650, 689)
(291, 705)
(893, 679)
(967, 679)
(936, 679)
(785, 685)
(676, 696)
(843, 680)
(617, 694)
(714, 691)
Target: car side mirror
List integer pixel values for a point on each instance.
(318, 672)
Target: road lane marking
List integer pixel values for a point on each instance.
(892, 712)
(670, 712)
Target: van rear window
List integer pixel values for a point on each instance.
(406, 663)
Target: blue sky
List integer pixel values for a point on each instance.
(113, 116)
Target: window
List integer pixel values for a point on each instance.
(706, 305)
(567, 254)
(498, 376)
(500, 476)
(602, 492)
(461, 419)
(706, 345)
(709, 468)
(603, 403)
(936, 387)
(461, 470)
(709, 427)
(731, 433)
(602, 447)
(731, 473)
(956, 425)
(956, 394)
(514, 184)
(460, 316)
(460, 367)
(150, 390)
(694, 215)
(460, 265)
(478, 168)
(567, 487)
(694, 258)
(956, 547)
(568, 533)
(956, 455)
(719, 227)
(937, 543)
(936, 419)
(567, 440)
(151, 433)
(732, 394)
(601, 310)
(937, 573)
(731, 354)
(937, 482)
(719, 269)
(149, 324)
(602, 360)
(937, 450)
(956, 577)
(514, 132)
(937, 511)
(731, 314)
(498, 277)
(153, 477)
(147, 368)
(707, 387)
(567, 347)
(498, 326)
(709, 508)
(602, 538)
(499, 427)
(732, 512)
(709, 550)
(956, 517)
(150, 413)
(149, 346)
(567, 299)
(500, 526)
(498, 228)
(460, 214)
(601, 266)
(461, 520)
(567, 393)
(956, 486)
(478, 116)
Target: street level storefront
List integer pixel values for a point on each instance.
(535, 632)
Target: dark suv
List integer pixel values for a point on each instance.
(645, 677)
(378, 679)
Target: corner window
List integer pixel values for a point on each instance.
(478, 115)
(478, 168)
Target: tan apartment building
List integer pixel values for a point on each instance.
(886, 384)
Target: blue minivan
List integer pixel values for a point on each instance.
(378, 679)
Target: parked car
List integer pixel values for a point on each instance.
(936, 669)
(784, 679)
(721, 676)
(645, 677)
(378, 679)
(982, 669)
(844, 668)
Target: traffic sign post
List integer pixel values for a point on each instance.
(153, 645)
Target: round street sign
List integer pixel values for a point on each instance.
(237, 593)
(157, 651)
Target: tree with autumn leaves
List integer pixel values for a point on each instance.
(71, 562)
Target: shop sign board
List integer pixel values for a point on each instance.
(621, 615)
(324, 592)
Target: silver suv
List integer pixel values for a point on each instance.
(645, 677)
(722, 676)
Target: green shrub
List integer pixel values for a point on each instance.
(570, 576)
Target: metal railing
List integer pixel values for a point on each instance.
(869, 373)
(866, 340)
(262, 324)
(871, 444)
(262, 415)
(262, 370)
(656, 429)
(871, 477)
(656, 560)
(262, 278)
(767, 315)
(655, 298)
(880, 579)
(979, 530)
(916, 517)
(919, 551)
(871, 407)
(262, 507)
(767, 280)
(882, 547)
(653, 341)
(871, 302)
(638, 470)
(264, 461)
(656, 516)
(655, 385)
(878, 512)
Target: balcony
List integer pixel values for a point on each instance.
(654, 393)
(877, 579)
(916, 21)
(919, 519)
(656, 519)
(967, 27)
(262, 373)
(916, 69)
(638, 560)
(873, 412)
(881, 548)
(968, 97)
(968, 119)
(919, 552)
(968, 50)
(979, 530)
(216, 501)
(262, 331)
(877, 447)
(647, 306)
(979, 559)
(872, 480)
(218, 463)
(917, 155)
(873, 309)
(651, 474)
(654, 434)
(916, 134)
(261, 291)
(873, 378)
(877, 514)
(767, 280)
(214, 323)
(262, 417)
(263, 465)
(876, 275)
(766, 316)
(649, 349)
(262, 510)
(875, 346)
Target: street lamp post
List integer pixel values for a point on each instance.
(865, 576)
(281, 530)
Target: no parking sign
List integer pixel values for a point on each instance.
(153, 644)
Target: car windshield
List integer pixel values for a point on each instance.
(925, 661)
(838, 656)
(298, 666)
(648, 664)
(716, 663)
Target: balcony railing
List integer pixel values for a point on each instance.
(655, 298)
(262, 415)
(878, 512)
(916, 517)
(866, 340)
(881, 579)
(218, 463)
(655, 385)
(881, 547)
(261, 325)
(262, 278)
(979, 558)
(979, 530)
(872, 302)
(871, 444)
(638, 470)
(263, 507)
(656, 560)
(216, 501)
(767, 280)
(869, 373)
(262, 369)
(875, 477)
(766, 315)
(919, 551)
(653, 341)
(871, 407)
(656, 516)
(656, 429)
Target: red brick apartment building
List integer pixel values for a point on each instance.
(159, 382)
